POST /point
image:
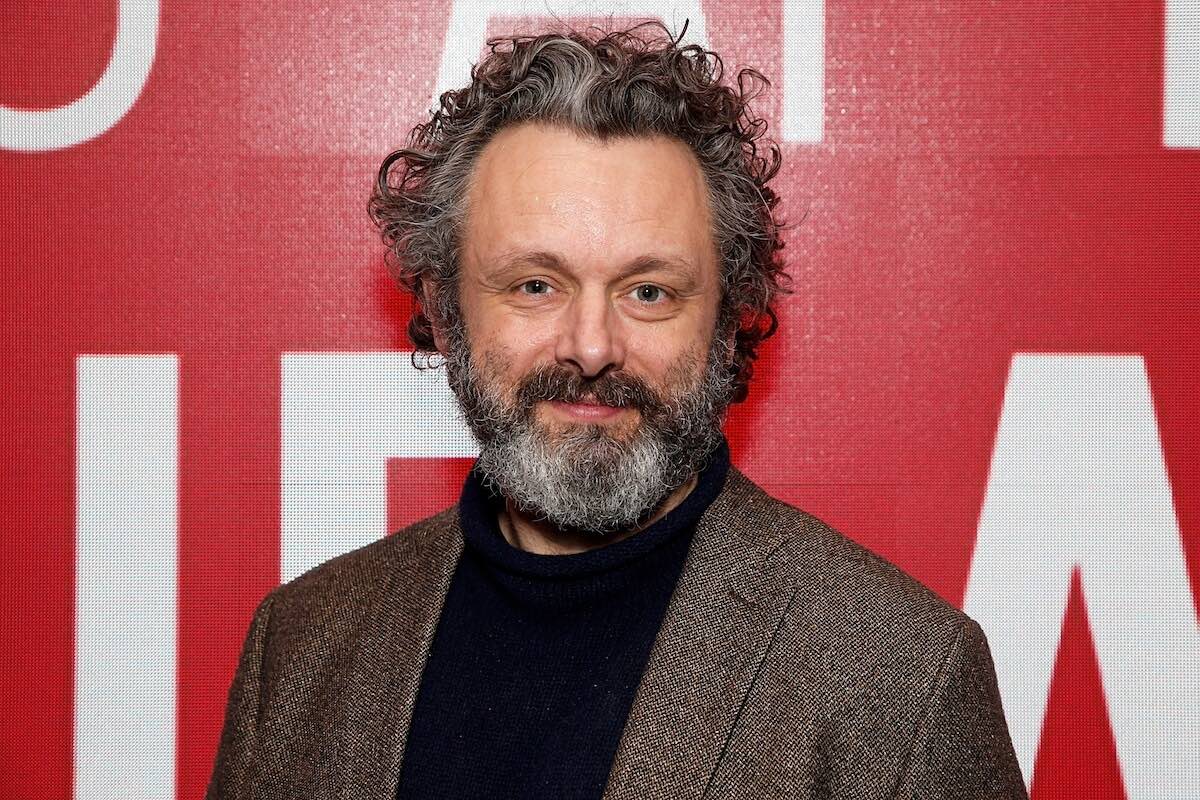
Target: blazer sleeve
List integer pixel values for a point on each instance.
(231, 772)
(962, 748)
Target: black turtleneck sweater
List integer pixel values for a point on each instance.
(536, 658)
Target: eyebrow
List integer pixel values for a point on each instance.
(638, 266)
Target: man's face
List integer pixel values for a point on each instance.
(589, 293)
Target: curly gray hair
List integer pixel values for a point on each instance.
(600, 84)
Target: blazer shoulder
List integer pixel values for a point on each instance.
(869, 666)
(851, 584)
(349, 580)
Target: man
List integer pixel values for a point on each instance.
(611, 610)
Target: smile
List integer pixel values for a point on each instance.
(585, 411)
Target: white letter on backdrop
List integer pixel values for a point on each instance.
(343, 416)
(1078, 479)
(1181, 74)
(105, 103)
(126, 564)
(803, 70)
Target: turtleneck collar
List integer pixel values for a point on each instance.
(479, 507)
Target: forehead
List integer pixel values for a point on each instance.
(544, 188)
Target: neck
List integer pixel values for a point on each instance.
(543, 538)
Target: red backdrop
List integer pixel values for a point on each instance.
(993, 198)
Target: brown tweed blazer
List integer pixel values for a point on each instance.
(791, 663)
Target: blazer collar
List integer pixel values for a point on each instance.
(728, 604)
(718, 626)
(389, 654)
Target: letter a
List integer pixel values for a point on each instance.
(1078, 479)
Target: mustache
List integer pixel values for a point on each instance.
(556, 382)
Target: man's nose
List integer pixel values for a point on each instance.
(591, 338)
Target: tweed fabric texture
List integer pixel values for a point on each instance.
(791, 662)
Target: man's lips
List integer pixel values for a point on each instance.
(586, 410)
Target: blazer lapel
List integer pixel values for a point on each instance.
(729, 601)
(718, 627)
(389, 655)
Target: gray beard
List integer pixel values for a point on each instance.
(584, 480)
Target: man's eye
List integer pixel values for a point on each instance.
(535, 287)
(649, 293)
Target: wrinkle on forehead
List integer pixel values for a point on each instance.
(534, 180)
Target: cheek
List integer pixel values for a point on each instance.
(666, 345)
(490, 323)
(511, 346)
(666, 361)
